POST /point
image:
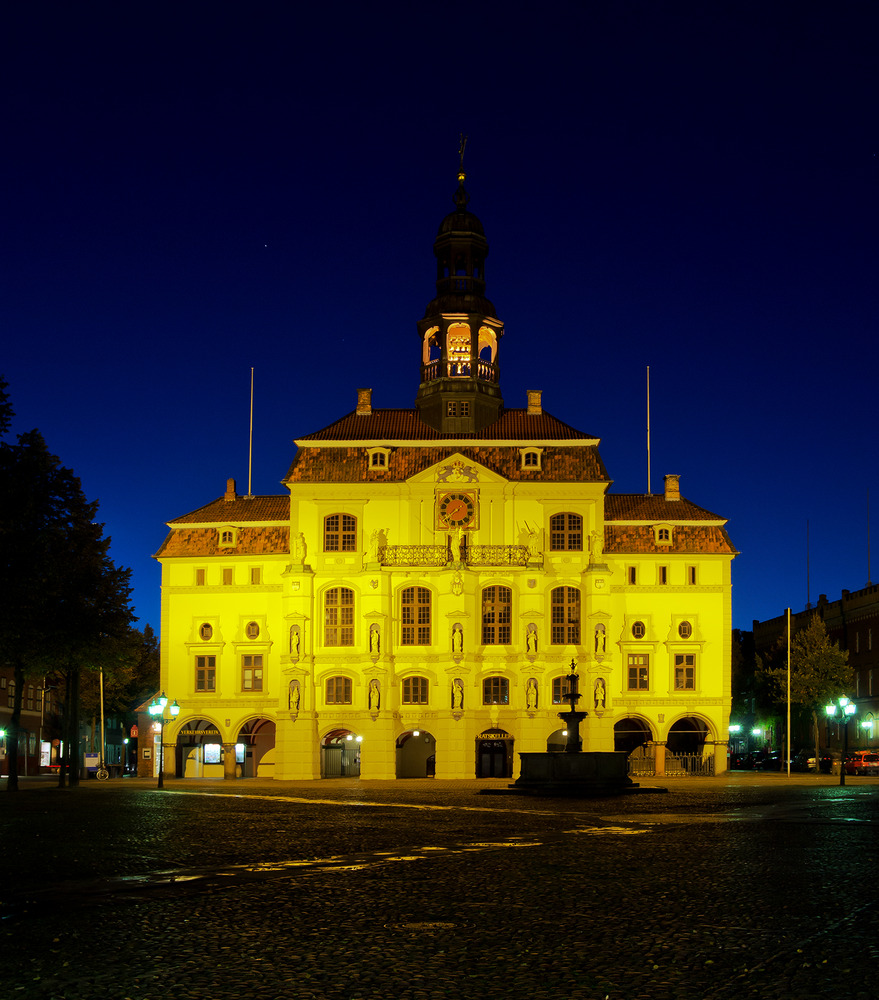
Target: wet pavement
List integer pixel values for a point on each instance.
(743, 886)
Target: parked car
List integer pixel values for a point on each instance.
(804, 760)
(862, 762)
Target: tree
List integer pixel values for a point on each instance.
(819, 671)
(62, 600)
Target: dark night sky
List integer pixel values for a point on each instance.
(194, 189)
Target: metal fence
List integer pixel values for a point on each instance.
(642, 764)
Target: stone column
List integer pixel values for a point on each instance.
(229, 760)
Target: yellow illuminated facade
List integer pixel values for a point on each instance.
(413, 604)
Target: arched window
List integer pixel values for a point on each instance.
(495, 691)
(339, 691)
(415, 690)
(340, 533)
(415, 617)
(497, 613)
(560, 687)
(565, 616)
(566, 533)
(339, 617)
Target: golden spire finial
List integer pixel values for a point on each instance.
(462, 145)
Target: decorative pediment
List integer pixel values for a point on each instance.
(457, 470)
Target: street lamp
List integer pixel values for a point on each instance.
(157, 711)
(846, 710)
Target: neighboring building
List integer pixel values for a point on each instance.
(413, 604)
(40, 725)
(853, 623)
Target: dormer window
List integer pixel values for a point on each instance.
(228, 537)
(379, 459)
(662, 534)
(531, 459)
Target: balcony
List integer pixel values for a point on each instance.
(439, 555)
(437, 369)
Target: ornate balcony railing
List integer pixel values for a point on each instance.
(497, 555)
(413, 555)
(433, 370)
(439, 555)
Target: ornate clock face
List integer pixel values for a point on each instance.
(457, 510)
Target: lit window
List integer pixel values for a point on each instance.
(565, 616)
(340, 533)
(415, 616)
(639, 671)
(339, 691)
(205, 673)
(251, 630)
(458, 408)
(206, 630)
(638, 630)
(495, 691)
(685, 672)
(497, 611)
(415, 691)
(560, 687)
(251, 672)
(566, 533)
(685, 630)
(339, 617)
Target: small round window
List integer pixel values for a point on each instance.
(206, 630)
(252, 630)
(638, 630)
(685, 630)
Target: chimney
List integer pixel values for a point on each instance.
(230, 490)
(364, 402)
(672, 487)
(535, 407)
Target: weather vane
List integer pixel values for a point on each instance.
(462, 145)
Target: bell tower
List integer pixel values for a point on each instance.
(460, 332)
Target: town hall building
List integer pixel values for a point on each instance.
(414, 602)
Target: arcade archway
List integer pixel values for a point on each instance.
(416, 754)
(255, 749)
(199, 750)
(340, 754)
(630, 733)
(687, 736)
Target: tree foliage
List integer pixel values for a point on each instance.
(63, 603)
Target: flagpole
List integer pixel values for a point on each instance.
(250, 454)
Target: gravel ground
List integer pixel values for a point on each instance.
(743, 886)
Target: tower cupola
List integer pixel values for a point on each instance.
(460, 332)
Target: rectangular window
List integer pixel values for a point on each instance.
(339, 617)
(495, 691)
(639, 671)
(255, 574)
(685, 672)
(691, 576)
(415, 691)
(228, 577)
(415, 617)
(560, 687)
(199, 577)
(497, 610)
(251, 672)
(205, 673)
(461, 408)
(565, 616)
(340, 533)
(663, 575)
(633, 575)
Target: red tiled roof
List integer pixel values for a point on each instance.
(324, 464)
(407, 425)
(206, 542)
(635, 538)
(222, 511)
(653, 507)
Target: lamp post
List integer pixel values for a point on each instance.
(846, 711)
(157, 711)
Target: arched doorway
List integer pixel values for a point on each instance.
(630, 733)
(255, 749)
(199, 751)
(494, 754)
(687, 736)
(416, 754)
(340, 754)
